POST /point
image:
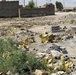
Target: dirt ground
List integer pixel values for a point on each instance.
(41, 25)
(14, 27)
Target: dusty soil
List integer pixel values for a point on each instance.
(40, 25)
(17, 28)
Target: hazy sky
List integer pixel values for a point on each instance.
(66, 3)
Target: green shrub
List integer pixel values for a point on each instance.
(35, 63)
(17, 58)
(74, 9)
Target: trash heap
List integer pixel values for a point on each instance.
(51, 38)
(64, 63)
(58, 60)
(24, 43)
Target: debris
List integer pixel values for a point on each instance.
(75, 67)
(23, 43)
(64, 28)
(53, 74)
(48, 38)
(55, 53)
(67, 37)
(26, 70)
(40, 72)
(44, 38)
(41, 55)
(8, 73)
(60, 72)
(6, 54)
(56, 29)
(0, 73)
(65, 63)
(59, 49)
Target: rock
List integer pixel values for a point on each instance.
(55, 53)
(8, 73)
(41, 55)
(59, 49)
(56, 47)
(0, 73)
(73, 73)
(40, 72)
(16, 74)
(60, 72)
(53, 74)
(75, 67)
(64, 27)
(26, 69)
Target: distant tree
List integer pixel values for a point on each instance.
(31, 4)
(74, 9)
(59, 6)
(27, 6)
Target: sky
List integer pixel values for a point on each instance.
(66, 3)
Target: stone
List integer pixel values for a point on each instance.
(8, 73)
(53, 74)
(16, 74)
(0, 73)
(41, 54)
(75, 67)
(60, 72)
(40, 72)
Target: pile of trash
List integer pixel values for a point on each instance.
(51, 38)
(57, 60)
(62, 63)
(23, 43)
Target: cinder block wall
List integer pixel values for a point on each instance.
(37, 11)
(9, 8)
